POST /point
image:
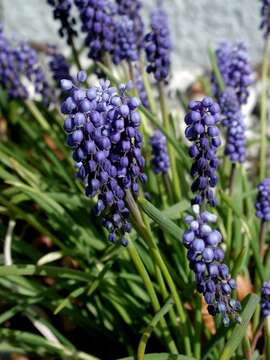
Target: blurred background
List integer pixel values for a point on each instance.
(194, 25)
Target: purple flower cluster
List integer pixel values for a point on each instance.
(265, 299)
(206, 259)
(265, 17)
(98, 24)
(160, 157)
(125, 47)
(132, 9)
(59, 68)
(233, 120)
(235, 69)
(62, 11)
(201, 121)
(19, 65)
(103, 130)
(158, 45)
(9, 74)
(263, 200)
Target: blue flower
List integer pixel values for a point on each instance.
(160, 157)
(263, 200)
(103, 130)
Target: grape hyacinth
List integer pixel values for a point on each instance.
(98, 24)
(125, 47)
(18, 65)
(62, 10)
(132, 9)
(160, 158)
(263, 200)
(201, 121)
(233, 120)
(265, 17)
(158, 46)
(59, 68)
(265, 299)
(103, 130)
(235, 69)
(206, 258)
(9, 73)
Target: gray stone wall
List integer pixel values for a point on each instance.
(194, 25)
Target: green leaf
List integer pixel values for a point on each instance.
(239, 330)
(167, 225)
(161, 356)
(173, 212)
(50, 257)
(30, 270)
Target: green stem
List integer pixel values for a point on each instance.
(247, 348)
(37, 114)
(147, 236)
(262, 234)
(230, 213)
(198, 327)
(75, 54)
(215, 68)
(166, 123)
(148, 89)
(263, 110)
(267, 337)
(152, 294)
(147, 333)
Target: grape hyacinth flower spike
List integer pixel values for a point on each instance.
(160, 158)
(201, 121)
(158, 46)
(103, 130)
(206, 259)
(263, 200)
(235, 69)
(62, 11)
(233, 121)
(98, 25)
(265, 299)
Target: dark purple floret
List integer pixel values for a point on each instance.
(125, 47)
(206, 259)
(265, 17)
(263, 200)
(233, 120)
(160, 157)
(158, 45)
(62, 11)
(139, 84)
(201, 121)
(265, 299)
(98, 24)
(103, 129)
(235, 69)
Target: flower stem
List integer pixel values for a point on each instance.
(263, 110)
(37, 114)
(148, 88)
(262, 234)
(267, 337)
(147, 333)
(152, 294)
(75, 54)
(166, 123)
(230, 213)
(146, 234)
